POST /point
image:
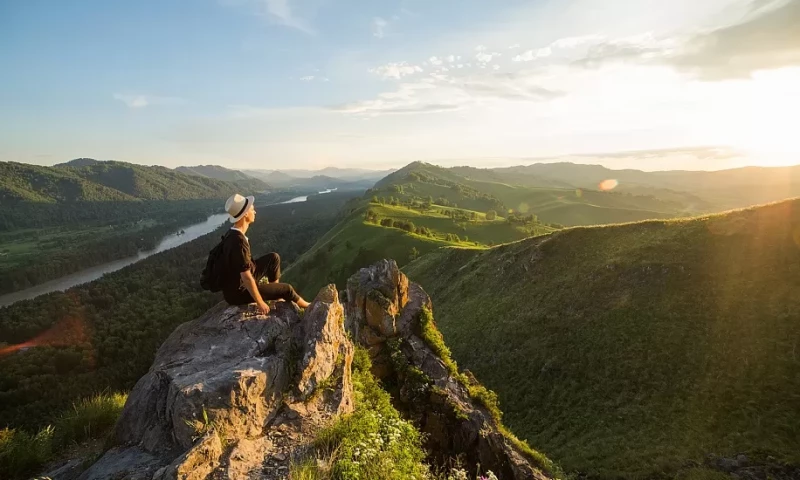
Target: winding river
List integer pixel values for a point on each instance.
(191, 232)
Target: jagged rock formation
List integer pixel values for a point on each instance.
(386, 313)
(232, 395)
(235, 395)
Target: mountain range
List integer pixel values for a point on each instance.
(90, 180)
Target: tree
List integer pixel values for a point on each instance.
(491, 215)
(374, 199)
(414, 254)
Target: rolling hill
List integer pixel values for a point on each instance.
(309, 180)
(244, 181)
(636, 350)
(90, 180)
(373, 231)
(555, 204)
(704, 191)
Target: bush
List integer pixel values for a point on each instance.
(90, 418)
(22, 453)
(373, 442)
(491, 215)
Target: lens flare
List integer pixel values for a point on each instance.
(607, 185)
(69, 331)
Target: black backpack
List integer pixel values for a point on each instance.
(210, 278)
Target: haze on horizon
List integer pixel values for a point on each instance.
(279, 84)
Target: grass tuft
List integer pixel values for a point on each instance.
(22, 453)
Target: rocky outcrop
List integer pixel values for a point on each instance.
(391, 317)
(237, 395)
(234, 395)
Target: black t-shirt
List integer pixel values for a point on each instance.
(236, 259)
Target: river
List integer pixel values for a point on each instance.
(93, 273)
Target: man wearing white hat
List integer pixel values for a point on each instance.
(240, 274)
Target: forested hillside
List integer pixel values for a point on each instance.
(107, 181)
(635, 351)
(103, 335)
(248, 182)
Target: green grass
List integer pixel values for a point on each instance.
(22, 453)
(625, 351)
(552, 205)
(372, 442)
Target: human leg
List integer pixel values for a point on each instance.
(280, 291)
(268, 266)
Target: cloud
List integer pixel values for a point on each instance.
(512, 47)
(307, 78)
(379, 27)
(142, 100)
(440, 92)
(451, 58)
(281, 12)
(768, 38)
(641, 48)
(533, 55)
(396, 70)
(435, 61)
(483, 57)
(575, 42)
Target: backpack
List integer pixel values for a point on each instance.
(210, 278)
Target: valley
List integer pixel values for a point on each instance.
(628, 331)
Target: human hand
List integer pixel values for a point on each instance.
(263, 307)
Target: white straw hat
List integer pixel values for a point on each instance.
(237, 206)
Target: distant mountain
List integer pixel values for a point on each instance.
(709, 190)
(310, 183)
(107, 181)
(228, 175)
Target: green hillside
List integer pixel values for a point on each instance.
(251, 184)
(402, 231)
(550, 202)
(701, 190)
(634, 351)
(108, 181)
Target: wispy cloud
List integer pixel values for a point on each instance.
(440, 92)
(281, 12)
(396, 70)
(531, 55)
(133, 100)
(768, 38)
(379, 27)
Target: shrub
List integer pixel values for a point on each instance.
(373, 442)
(21, 453)
(91, 417)
(491, 215)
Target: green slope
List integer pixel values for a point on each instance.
(552, 202)
(109, 181)
(630, 351)
(248, 182)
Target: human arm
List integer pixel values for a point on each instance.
(250, 284)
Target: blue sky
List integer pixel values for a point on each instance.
(311, 83)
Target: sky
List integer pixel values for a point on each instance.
(273, 84)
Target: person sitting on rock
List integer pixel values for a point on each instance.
(241, 275)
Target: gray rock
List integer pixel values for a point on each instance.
(382, 305)
(234, 375)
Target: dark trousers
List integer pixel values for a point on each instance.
(268, 266)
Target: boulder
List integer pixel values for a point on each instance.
(234, 393)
